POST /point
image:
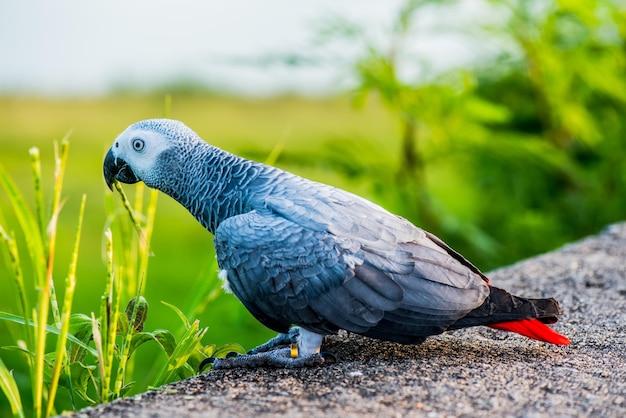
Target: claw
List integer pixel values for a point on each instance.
(205, 362)
(328, 356)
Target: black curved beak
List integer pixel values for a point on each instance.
(116, 168)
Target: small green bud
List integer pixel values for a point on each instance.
(142, 312)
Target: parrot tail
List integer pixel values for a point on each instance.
(504, 311)
(533, 328)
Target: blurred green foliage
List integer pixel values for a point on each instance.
(510, 158)
(516, 155)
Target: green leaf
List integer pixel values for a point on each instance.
(229, 348)
(185, 348)
(18, 349)
(9, 387)
(201, 353)
(18, 319)
(208, 350)
(164, 338)
(123, 324)
(126, 388)
(81, 375)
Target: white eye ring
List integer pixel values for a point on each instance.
(138, 144)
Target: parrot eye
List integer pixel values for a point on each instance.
(138, 144)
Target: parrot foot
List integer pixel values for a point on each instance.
(303, 350)
(280, 340)
(281, 357)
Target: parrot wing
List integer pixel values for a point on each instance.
(285, 274)
(343, 262)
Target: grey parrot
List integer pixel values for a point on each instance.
(306, 255)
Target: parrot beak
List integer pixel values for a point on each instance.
(116, 168)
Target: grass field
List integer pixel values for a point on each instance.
(183, 250)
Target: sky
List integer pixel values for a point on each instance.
(79, 47)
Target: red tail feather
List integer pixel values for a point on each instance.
(535, 329)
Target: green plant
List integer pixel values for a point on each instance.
(93, 354)
(39, 230)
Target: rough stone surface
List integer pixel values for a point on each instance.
(475, 372)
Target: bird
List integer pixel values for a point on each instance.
(308, 259)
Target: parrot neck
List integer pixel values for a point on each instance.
(213, 184)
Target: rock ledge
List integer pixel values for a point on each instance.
(476, 372)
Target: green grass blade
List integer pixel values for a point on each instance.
(70, 286)
(106, 316)
(28, 224)
(9, 387)
(39, 360)
(18, 275)
(47, 295)
(5, 316)
(128, 207)
(145, 252)
(178, 312)
(35, 160)
(128, 253)
(40, 318)
(60, 163)
(97, 340)
(110, 347)
(107, 296)
(126, 346)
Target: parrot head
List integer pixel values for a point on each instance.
(137, 153)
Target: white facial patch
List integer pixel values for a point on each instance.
(141, 160)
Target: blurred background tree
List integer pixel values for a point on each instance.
(511, 157)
